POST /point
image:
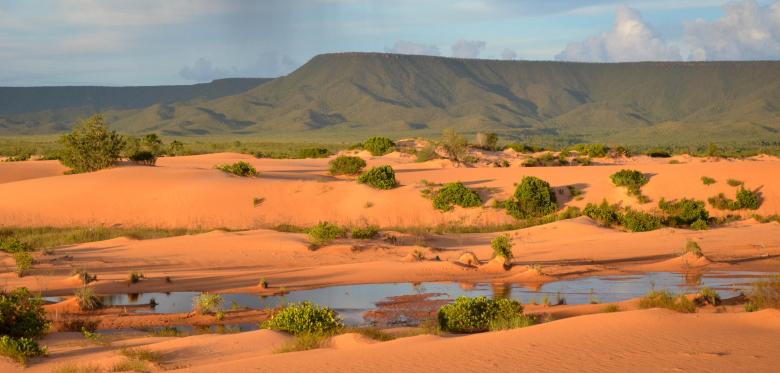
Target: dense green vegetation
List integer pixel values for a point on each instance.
(684, 212)
(533, 197)
(665, 299)
(36, 238)
(380, 177)
(455, 194)
(325, 232)
(378, 145)
(22, 319)
(746, 199)
(346, 165)
(305, 318)
(240, 168)
(502, 246)
(91, 146)
(473, 315)
(633, 180)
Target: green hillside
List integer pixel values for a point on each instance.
(351, 95)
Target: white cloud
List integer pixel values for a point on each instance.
(467, 48)
(747, 30)
(203, 71)
(135, 12)
(408, 47)
(631, 39)
(508, 54)
(267, 65)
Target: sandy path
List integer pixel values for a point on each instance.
(189, 192)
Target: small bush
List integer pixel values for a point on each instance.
(144, 157)
(604, 214)
(454, 145)
(765, 294)
(20, 349)
(734, 182)
(571, 212)
(592, 150)
(382, 177)
(135, 276)
(487, 141)
(700, 225)
(707, 180)
(90, 146)
(471, 315)
(665, 299)
(22, 314)
(658, 153)
(710, 296)
(365, 233)
(207, 303)
(85, 276)
(87, 299)
(683, 211)
(455, 194)
(305, 318)
(241, 168)
(313, 153)
(502, 246)
(721, 202)
(427, 153)
(13, 245)
(633, 180)
(533, 198)
(346, 165)
(24, 261)
(748, 199)
(639, 221)
(325, 232)
(691, 247)
(378, 145)
(304, 342)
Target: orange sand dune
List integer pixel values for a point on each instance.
(15, 171)
(644, 341)
(189, 192)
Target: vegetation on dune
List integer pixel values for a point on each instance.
(693, 248)
(87, 299)
(325, 232)
(365, 233)
(346, 165)
(454, 194)
(684, 212)
(707, 180)
(241, 168)
(23, 319)
(765, 294)
(454, 144)
(381, 177)
(207, 303)
(144, 157)
(665, 299)
(91, 146)
(313, 153)
(378, 145)
(473, 315)
(36, 238)
(533, 197)
(305, 318)
(502, 246)
(633, 180)
(23, 261)
(639, 221)
(486, 141)
(746, 199)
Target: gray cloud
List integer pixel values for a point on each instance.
(267, 65)
(631, 39)
(746, 31)
(408, 47)
(203, 71)
(467, 48)
(508, 54)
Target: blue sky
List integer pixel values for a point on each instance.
(146, 42)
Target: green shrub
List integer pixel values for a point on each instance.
(533, 198)
(633, 180)
(721, 202)
(592, 150)
(734, 182)
(748, 199)
(691, 247)
(22, 314)
(346, 165)
(324, 232)
(313, 153)
(365, 233)
(144, 157)
(207, 303)
(24, 261)
(381, 177)
(455, 194)
(12, 245)
(665, 299)
(304, 342)
(710, 296)
(487, 141)
(765, 294)
(427, 153)
(90, 146)
(700, 225)
(658, 153)
(175, 148)
(471, 315)
(305, 318)
(683, 211)
(639, 221)
(378, 145)
(604, 214)
(523, 148)
(240, 168)
(707, 180)
(502, 246)
(87, 299)
(454, 145)
(571, 212)
(20, 349)
(19, 157)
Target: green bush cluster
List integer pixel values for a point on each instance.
(365, 233)
(487, 141)
(633, 180)
(144, 157)
(427, 153)
(765, 294)
(746, 199)
(346, 165)
(472, 315)
(90, 146)
(378, 145)
(12, 245)
(592, 150)
(324, 232)
(381, 177)
(707, 180)
(665, 299)
(207, 303)
(604, 213)
(313, 153)
(22, 318)
(684, 212)
(305, 318)
(523, 148)
(533, 197)
(455, 194)
(640, 221)
(502, 246)
(240, 168)
(658, 153)
(24, 262)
